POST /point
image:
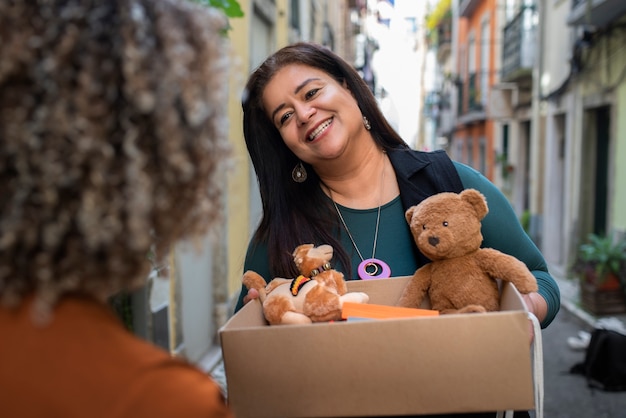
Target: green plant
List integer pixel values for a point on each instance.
(231, 8)
(602, 254)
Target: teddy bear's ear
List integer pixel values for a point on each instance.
(477, 200)
(302, 248)
(409, 214)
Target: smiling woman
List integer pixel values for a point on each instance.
(309, 115)
(322, 103)
(331, 170)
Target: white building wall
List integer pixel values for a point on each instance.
(562, 173)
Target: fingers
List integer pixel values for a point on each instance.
(252, 294)
(536, 304)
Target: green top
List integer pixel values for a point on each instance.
(395, 243)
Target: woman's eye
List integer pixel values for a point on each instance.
(311, 93)
(284, 118)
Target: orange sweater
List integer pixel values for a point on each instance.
(85, 364)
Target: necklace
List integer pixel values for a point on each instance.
(371, 268)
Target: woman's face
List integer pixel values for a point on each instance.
(317, 117)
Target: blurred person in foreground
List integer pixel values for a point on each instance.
(111, 132)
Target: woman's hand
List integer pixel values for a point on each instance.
(536, 305)
(252, 294)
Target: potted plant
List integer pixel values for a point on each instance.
(598, 265)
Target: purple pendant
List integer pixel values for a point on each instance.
(373, 268)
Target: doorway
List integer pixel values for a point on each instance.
(595, 166)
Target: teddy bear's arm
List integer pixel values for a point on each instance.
(416, 288)
(505, 267)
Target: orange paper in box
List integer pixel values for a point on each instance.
(373, 311)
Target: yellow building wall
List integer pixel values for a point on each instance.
(240, 172)
(604, 64)
(282, 23)
(619, 202)
(237, 206)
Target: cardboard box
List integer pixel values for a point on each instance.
(426, 365)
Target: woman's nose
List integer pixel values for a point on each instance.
(304, 113)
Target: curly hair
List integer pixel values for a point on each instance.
(113, 127)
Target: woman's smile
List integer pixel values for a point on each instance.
(321, 128)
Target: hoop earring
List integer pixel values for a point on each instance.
(298, 174)
(366, 123)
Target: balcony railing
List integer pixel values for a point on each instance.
(444, 34)
(467, 7)
(518, 54)
(598, 13)
(474, 94)
(444, 40)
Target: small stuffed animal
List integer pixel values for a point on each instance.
(317, 295)
(461, 276)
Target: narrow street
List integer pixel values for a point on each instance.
(567, 395)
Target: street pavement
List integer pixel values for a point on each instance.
(567, 395)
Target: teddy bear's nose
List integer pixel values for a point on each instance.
(433, 241)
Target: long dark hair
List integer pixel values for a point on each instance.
(299, 213)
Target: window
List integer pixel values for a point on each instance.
(471, 55)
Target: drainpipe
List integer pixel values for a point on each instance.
(454, 52)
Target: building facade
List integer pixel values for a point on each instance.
(582, 110)
(473, 139)
(541, 104)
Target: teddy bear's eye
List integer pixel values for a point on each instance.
(424, 227)
(445, 223)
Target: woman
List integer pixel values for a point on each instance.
(332, 170)
(111, 128)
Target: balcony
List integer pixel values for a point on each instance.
(444, 40)
(475, 109)
(439, 27)
(518, 55)
(467, 7)
(596, 13)
(432, 104)
(474, 94)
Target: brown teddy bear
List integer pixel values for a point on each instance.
(317, 295)
(461, 276)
